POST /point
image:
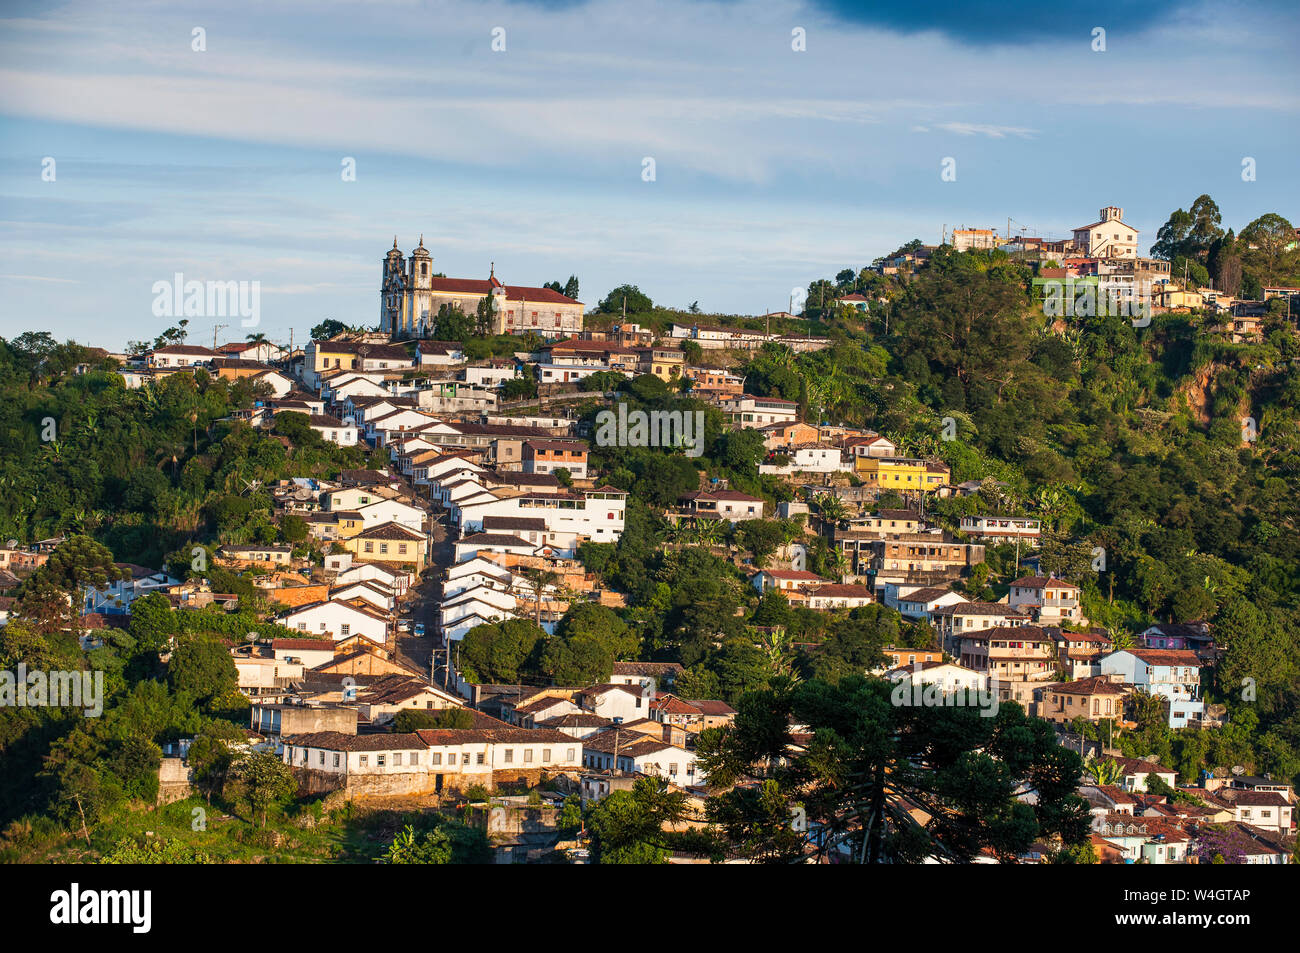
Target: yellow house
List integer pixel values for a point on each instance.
(665, 363)
(349, 523)
(388, 543)
(900, 473)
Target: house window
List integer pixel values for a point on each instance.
(546, 756)
(569, 757)
(322, 757)
(510, 756)
(397, 759)
(481, 758)
(436, 758)
(363, 760)
(345, 629)
(528, 756)
(380, 760)
(336, 760)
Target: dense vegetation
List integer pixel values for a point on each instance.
(1122, 439)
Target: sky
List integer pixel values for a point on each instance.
(518, 133)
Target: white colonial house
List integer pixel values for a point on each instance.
(945, 676)
(116, 598)
(371, 594)
(1049, 601)
(595, 515)
(631, 752)
(750, 413)
(1110, 237)
(917, 602)
(961, 618)
(476, 543)
(616, 701)
(1003, 529)
(839, 596)
(1173, 674)
(392, 511)
(395, 581)
(338, 621)
(333, 430)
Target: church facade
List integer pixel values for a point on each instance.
(410, 296)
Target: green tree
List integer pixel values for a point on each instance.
(870, 759)
(202, 668)
(264, 781)
(636, 301)
(628, 827)
(500, 652)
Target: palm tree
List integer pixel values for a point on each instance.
(837, 563)
(540, 580)
(1147, 708)
(831, 508)
(1051, 501)
(709, 532)
(1104, 772)
(1120, 638)
(778, 646)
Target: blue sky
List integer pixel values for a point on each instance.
(772, 167)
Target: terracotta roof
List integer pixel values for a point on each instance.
(980, 608)
(495, 539)
(1097, 685)
(648, 668)
(1039, 582)
(575, 720)
(513, 292)
(836, 590)
(926, 595)
(337, 741)
(389, 531)
(711, 706)
(1171, 657)
(517, 523)
(435, 737)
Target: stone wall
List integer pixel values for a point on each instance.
(175, 780)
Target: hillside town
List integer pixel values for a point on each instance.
(506, 555)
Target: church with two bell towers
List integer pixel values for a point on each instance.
(411, 294)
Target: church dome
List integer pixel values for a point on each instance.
(421, 251)
(394, 252)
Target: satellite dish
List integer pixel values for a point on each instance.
(12, 544)
(1238, 770)
(1150, 758)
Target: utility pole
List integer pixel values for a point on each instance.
(215, 331)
